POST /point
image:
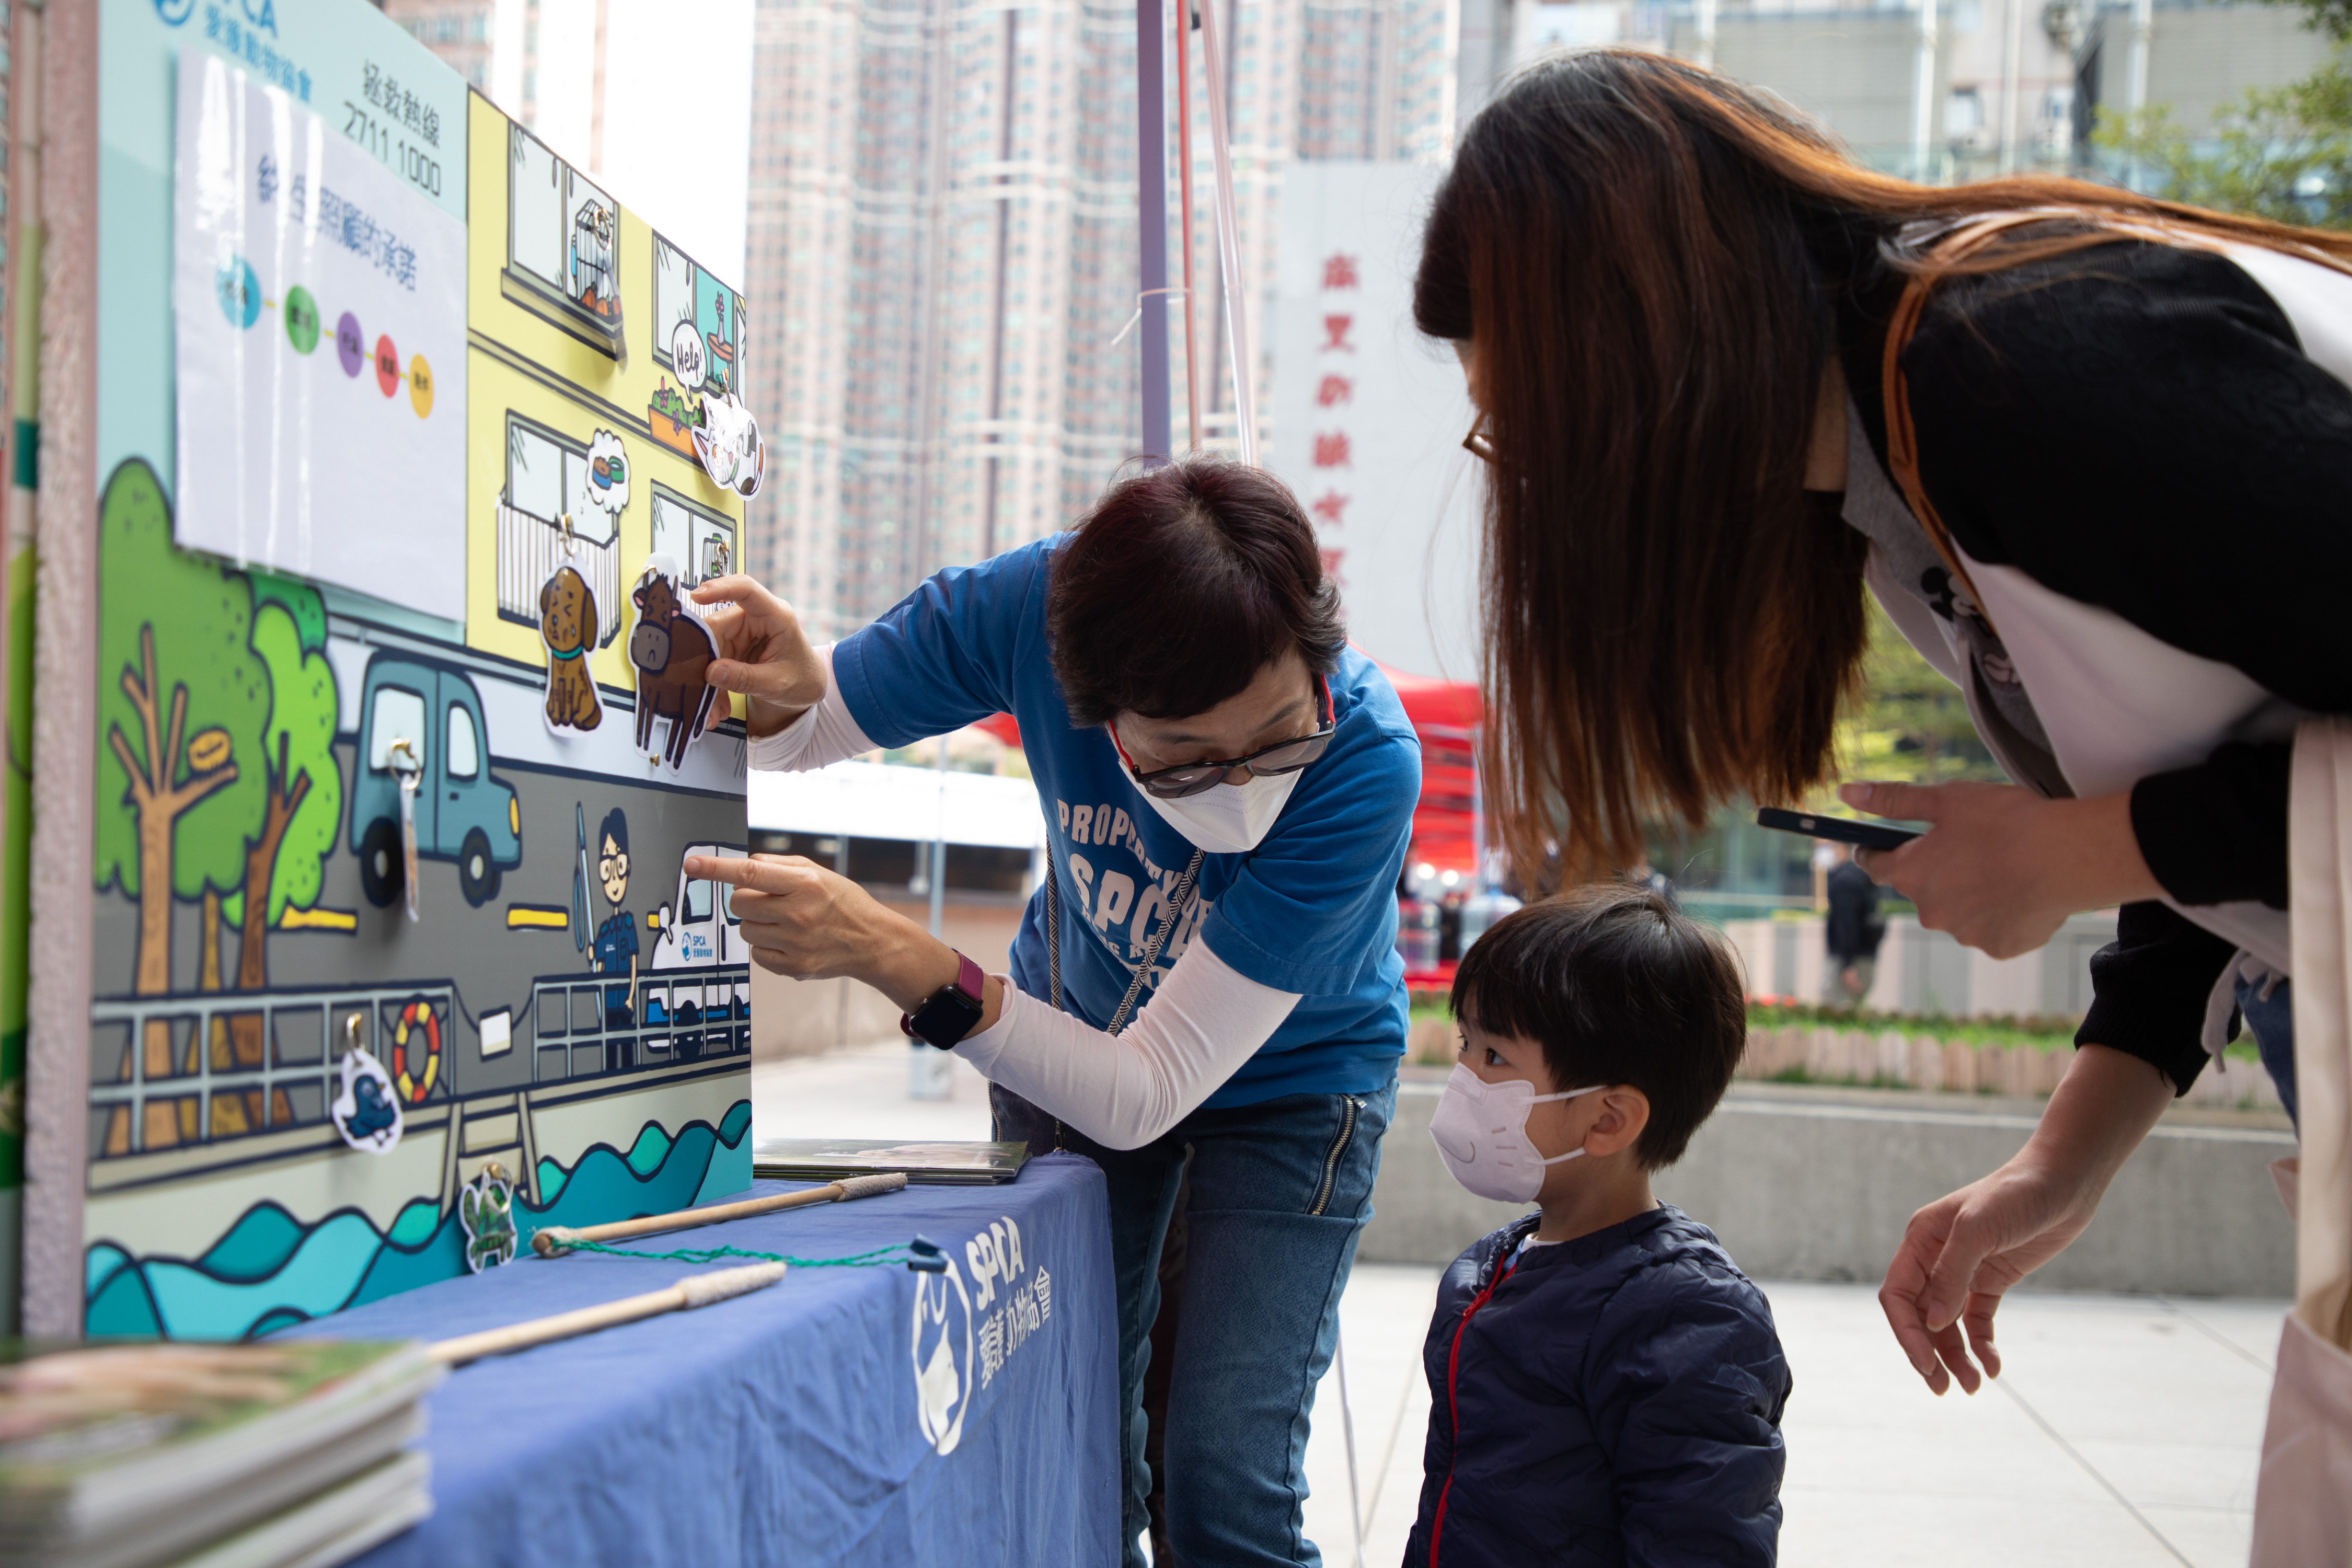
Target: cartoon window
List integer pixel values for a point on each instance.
(464, 758)
(698, 323)
(701, 543)
(547, 476)
(399, 715)
(563, 233)
(698, 902)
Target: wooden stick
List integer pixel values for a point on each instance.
(556, 1240)
(695, 1290)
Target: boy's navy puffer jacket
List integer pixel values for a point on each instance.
(1614, 1399)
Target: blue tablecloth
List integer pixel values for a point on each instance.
(845, 1416)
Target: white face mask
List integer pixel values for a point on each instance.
(1229, 819)
(1481, 1132)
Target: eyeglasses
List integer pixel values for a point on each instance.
(1196, 778)
(612, 866)
(1478, 444)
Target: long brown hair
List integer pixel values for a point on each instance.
(1643, 255)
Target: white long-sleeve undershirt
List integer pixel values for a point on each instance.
(1122, 1090)
(820, 737)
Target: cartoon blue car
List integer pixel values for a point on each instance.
(463, 813)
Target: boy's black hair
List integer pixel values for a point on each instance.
(1618, 986)
(616, 829)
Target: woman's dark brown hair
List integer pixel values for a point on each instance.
(1642, 256)
(1182, 583)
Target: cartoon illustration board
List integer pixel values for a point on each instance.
(292, 1090)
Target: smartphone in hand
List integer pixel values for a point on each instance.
(1844, 829)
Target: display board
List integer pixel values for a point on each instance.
(399, 737)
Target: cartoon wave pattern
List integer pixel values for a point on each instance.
(270, 1270)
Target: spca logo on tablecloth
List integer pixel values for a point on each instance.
(963, 1337)
(941, 1350)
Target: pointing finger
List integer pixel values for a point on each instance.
(783, 874)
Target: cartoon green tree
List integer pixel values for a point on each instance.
(182, 703)
(302, 806)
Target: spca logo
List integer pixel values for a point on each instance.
(941, 1347)
(260, 13)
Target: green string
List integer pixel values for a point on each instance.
(879, 1257)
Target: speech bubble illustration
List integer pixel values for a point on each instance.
(687, 355)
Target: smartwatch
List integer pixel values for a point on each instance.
(951, 1012)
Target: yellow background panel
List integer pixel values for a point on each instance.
(524, 360)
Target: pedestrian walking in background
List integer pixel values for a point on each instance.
(1850, 959)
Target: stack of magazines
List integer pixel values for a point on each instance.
(292, 1453)
(830, 1159)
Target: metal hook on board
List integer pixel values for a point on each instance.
(352, 1032)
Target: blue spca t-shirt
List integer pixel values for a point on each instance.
(1312, 909)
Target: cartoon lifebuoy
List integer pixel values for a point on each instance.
(415, 1083)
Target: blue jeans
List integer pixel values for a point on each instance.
(1280, 1190)
(2272, 1024)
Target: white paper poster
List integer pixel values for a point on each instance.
(1368, 415)
(320, 328)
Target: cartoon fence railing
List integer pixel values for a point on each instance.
(683, 1014)
(529, 552)
(211, 1087)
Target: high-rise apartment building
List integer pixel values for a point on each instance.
(942, 257)
(493, 44)
(459, 31)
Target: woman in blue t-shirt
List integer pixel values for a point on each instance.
(1210, 966)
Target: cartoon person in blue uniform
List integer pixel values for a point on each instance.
(615, 953)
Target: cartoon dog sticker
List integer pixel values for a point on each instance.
(567, 625)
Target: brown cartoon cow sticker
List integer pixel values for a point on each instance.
(671, 650)
(567, 625)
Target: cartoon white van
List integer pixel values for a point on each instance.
(697, 930)
(698, 927)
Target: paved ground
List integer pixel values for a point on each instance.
(2125, 1432)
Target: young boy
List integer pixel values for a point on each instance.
(1606, 1386)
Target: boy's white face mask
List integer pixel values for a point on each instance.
(1481, 1132)
(1231, 818)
